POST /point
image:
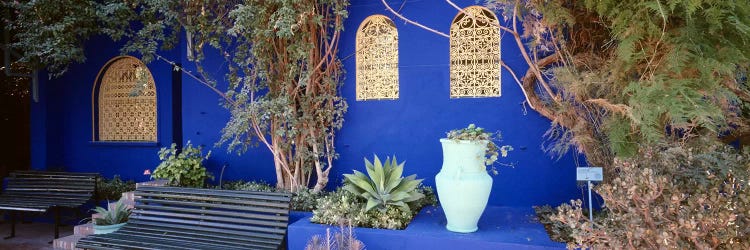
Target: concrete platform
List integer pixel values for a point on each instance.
(499, 228)
(31, 236)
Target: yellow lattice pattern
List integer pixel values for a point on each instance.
(377, 59)
(127, 113)
(475, 54)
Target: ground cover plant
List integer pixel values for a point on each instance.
(380, 199)
(302, 200)
(343, 206)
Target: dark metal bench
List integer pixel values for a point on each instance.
(39, 191)
(189, 218)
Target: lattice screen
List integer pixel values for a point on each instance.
(377, 59)
(475, 54)
(127, 112)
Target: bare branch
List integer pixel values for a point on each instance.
(413, 22)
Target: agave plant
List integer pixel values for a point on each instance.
(384, 186)
(117, 214)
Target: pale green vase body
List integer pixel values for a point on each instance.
(463, 185)
(108, 228)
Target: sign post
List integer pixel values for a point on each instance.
(590, 174)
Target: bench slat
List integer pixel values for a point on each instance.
(282, 197)
(201, 239)
(246, 208)
(188, 218)
(37, 191)
(209, 224)
(278, 221)
(197, 230)
(255, 200)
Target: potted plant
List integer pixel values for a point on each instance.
(463, 184)
(183, 168)
(111, 220)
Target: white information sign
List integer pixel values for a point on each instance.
(589, 174)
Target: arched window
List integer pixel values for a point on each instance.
(377, 59)
(124, 101)
(475, 54)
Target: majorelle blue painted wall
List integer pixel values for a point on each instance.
(62, 120)
(409, 127)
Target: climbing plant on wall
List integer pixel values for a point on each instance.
(281, 56)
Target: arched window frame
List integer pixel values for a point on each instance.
(475, 54)
(377, 59)
(144, 100)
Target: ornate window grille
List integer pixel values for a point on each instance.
(377, 59)
(125, 97)
(475, 54)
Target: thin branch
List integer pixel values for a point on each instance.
(518, 39)
(532, 66)
(413, 22)
(526, 96)
(187, 72)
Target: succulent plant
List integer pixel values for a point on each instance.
(384, 186)
(117, 214)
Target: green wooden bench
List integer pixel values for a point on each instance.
(190, 218)
(40, 192)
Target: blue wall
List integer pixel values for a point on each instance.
(409, 127)
(62, 119)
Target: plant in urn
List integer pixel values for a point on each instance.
(463, 184)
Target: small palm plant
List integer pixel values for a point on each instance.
(384, 186)
(116, 215)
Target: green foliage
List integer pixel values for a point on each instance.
(669, 197)
(256, 186)
(474, 133)
(342, 240)
(283, 74)
(303, 199)
(112, 189)
(343, 206)
(183, 167)
(637, 72)
(118, 214)
(284, 82)
(385, 185)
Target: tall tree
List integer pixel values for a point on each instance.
(281, 56)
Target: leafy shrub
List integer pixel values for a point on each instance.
(112, 189)
(304, 199)
(184, 168)
(670, 197)
(384, 186)
(343, 206)
(118, 214)
(342, 240)
(258, 186)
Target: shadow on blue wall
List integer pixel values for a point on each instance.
(409, 127)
